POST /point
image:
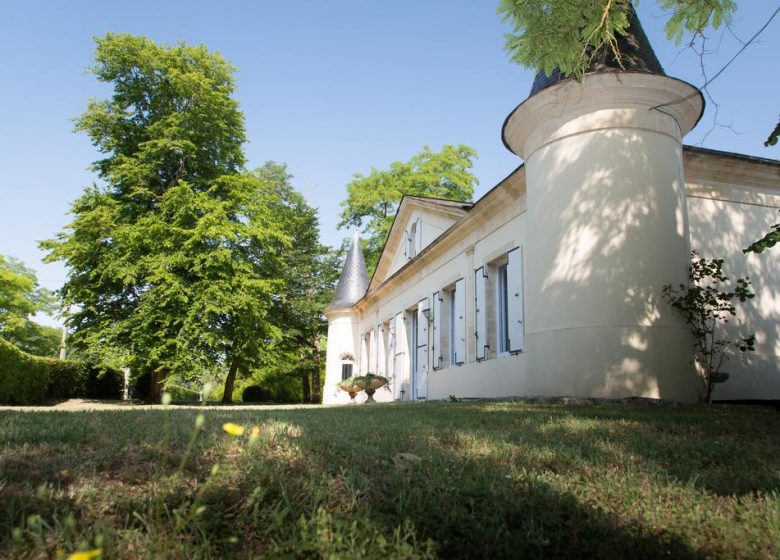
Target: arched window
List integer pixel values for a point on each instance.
(347, 365)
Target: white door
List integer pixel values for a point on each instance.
(399, 370)
(421, 354)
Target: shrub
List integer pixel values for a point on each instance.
(27, 379)
(707, 303)
(23, 377)
(104, 382)
(256, 393)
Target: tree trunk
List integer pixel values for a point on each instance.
(227, 397)
(156, 378)
(316, 396)
(306, 386)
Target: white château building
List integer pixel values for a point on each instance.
(550, 284)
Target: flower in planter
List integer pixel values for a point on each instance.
(374, 382)
(353, 385)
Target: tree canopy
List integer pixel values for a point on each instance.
(372, 200)
(19, 294)
(21, 297)
(566, 34)
(177, 257)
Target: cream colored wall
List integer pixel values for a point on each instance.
(498, 227)
(505, 376)
(609, 222)
(606, 223)
(608, 234)
(724, 218)
(343, 336)
(433, 225)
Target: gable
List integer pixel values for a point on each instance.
(418, 223)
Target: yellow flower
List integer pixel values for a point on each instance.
(254, 432)
(233, 429)
(86, 554)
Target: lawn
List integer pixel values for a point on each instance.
(397, 481)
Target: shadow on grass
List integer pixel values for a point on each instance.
(503, 481)
(467, 507)
(720, 450)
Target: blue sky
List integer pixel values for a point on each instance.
(330, 88)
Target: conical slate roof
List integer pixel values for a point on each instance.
(636, 55)
(353, 281)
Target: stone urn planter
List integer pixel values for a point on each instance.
(369, 383)
(372, 383)
(352, 387)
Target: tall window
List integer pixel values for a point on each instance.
(503, 310)
(451, 296)
(412, 241)
(456, 299)
(346, 371)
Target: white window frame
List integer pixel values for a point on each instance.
(459, 316)
(502, 310)
(515, 300)
(481, 342)
(436, 336)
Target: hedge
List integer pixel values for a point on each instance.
(27, 379)
(256, 393)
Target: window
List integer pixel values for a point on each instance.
(437, 338)
(505, 293)
(481, 341)
(502, 332)
(411, 241)
(390, 352)
(373, 347)
(458, 323)
(346, 371)
(451, 295)
(363, 363)
(514, 296)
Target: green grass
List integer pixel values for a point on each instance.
(493, 480)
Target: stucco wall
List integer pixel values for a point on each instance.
(606, 231)
(432, 226)
(725, 217)
(612, 207)
(485, 235)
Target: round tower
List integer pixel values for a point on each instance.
(343, 323)
(607, 226)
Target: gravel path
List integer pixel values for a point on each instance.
(75, 405)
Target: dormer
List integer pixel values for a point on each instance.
(418, 223)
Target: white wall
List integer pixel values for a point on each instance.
(609, 218)
(725, 217)
(606, 232)
(498, 227)
(431, 225)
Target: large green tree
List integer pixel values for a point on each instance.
(305, 275)
(172, 257)
(372, 200)
(310, 271)
(21, 297)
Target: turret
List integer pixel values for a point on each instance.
(607, 225)
(343, 321)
